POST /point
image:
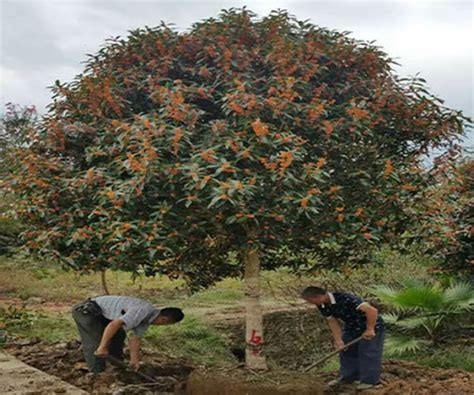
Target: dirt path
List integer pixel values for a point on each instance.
(35, 304)
(17, 377)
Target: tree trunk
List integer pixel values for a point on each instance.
(104, 282)
(253, 318)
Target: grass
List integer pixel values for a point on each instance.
(191, 339)
(24, 278)
(330, 366)
(51, 327)
(215, 296)
(455, 357)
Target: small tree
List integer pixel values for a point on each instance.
(16, 124)
(193, 154)
(443, 216)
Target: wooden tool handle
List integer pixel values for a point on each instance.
(320, 361)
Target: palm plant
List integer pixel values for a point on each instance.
(424, 313)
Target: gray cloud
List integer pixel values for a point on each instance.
(45, 40)
(27, 36)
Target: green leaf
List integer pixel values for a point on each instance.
(428, 322)
(390, 318)
(459, 296)
(397, 345)
(426, 298)
(214, 200)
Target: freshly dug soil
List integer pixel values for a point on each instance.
(244, 382)
(409, 378)
(66, 361)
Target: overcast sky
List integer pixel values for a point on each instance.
(45, 40)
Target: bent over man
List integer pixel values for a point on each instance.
(363, 360)
(102, 322)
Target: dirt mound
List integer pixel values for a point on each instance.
(408, 377)
(65, 360)
(244, 382)
(293, 339)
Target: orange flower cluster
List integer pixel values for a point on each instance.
(358, 113)
(260, 128)
(178, 135)
(208, 156)
(388, 168)
(285, 160)
(328, 128)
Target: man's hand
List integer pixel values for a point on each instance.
(101, 352)
(368, 334)
(134, 364)
(338, 344)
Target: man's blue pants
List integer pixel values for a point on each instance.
(363, 360)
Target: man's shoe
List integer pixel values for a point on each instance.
(339, 381)
(364, 386)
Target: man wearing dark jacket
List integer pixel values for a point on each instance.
(363, 360)
(102, 322)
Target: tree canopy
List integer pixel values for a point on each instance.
(174, 151)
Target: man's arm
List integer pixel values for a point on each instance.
(371, 313)
(134, 346)
(336, 332)
(110, 330)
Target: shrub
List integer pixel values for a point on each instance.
(424, 313)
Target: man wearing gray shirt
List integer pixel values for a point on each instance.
(102, 322)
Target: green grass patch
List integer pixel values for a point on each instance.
(215, 296)
(24, 278)
(191, 339)
(331, 365)
(51, 327)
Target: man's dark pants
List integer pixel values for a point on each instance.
(91, 324)
(363, 360)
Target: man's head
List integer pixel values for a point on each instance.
(315, 295)
(169, 315)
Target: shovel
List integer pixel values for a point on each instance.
(320, 361)
(120, 363)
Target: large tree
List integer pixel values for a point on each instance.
(196, 154)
